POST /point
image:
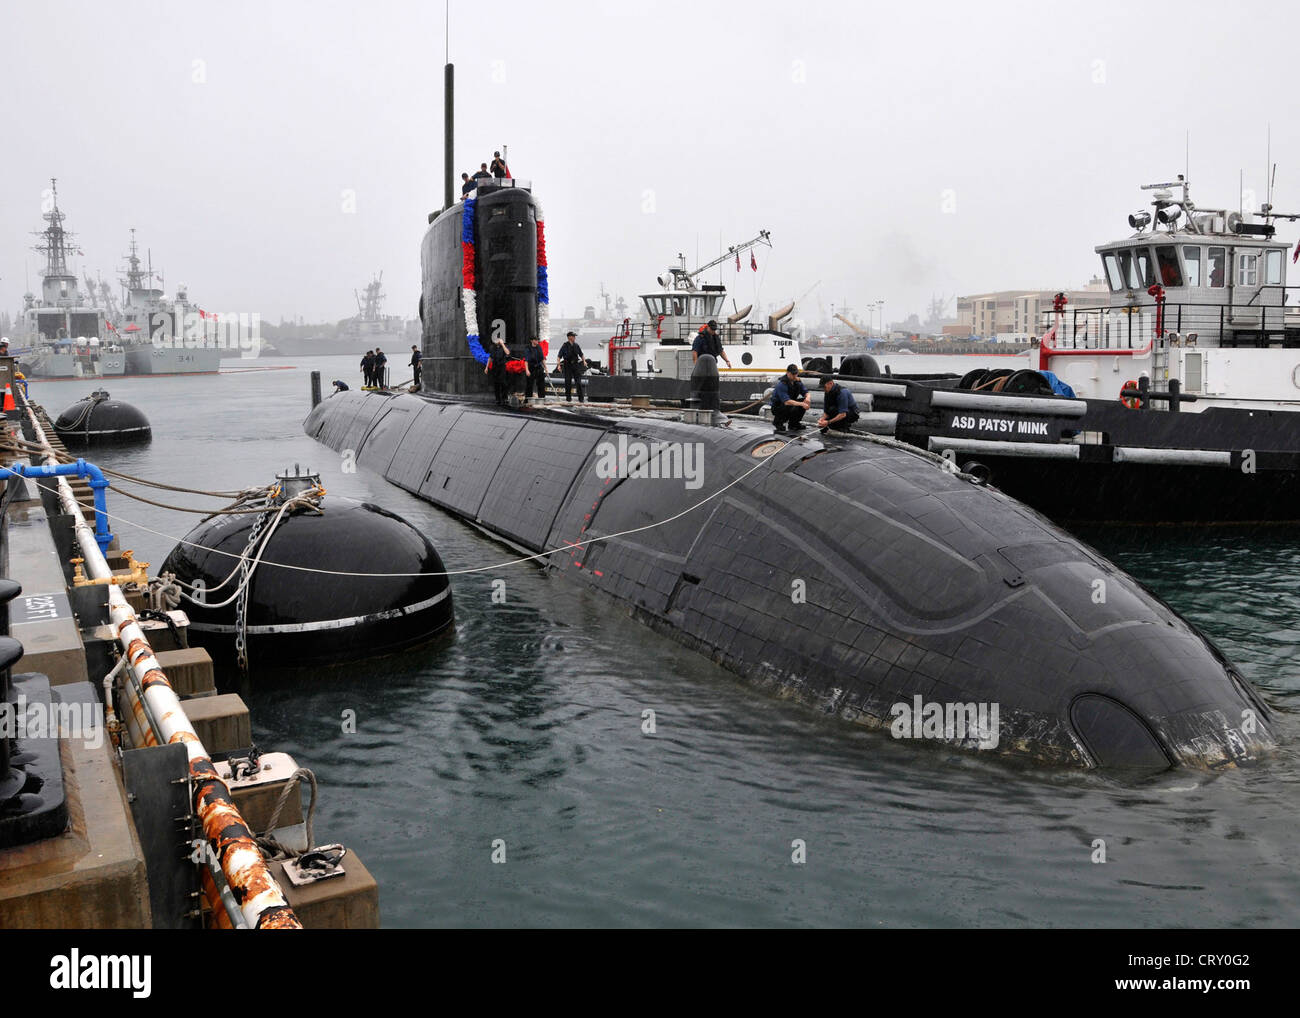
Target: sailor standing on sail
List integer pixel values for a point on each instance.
(573, 365)
(381, 363)
(368, 369)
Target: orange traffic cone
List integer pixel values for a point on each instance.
(9, 398)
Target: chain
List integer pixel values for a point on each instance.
(241, 603)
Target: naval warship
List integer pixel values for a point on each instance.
(856, 575)
(163, 336)
(64, 334)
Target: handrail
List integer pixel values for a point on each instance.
(261, 900)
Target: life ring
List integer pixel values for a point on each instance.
(1132, 402)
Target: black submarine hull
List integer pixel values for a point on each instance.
(856, 577)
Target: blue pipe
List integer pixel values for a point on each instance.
(98, 483)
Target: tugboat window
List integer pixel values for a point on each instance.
(1146, 271)
(1167, 261)
(1128, 270)
(1218, 260)
(1192, 259)
(1273, 268)
(1247, 269)
(1112, 271)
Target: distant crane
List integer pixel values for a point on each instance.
(799, 300)
(852, 324)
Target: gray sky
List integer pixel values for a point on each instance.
(894, 151)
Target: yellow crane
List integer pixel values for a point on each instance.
(851, 324)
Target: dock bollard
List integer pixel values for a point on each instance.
(315, 388)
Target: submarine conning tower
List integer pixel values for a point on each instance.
(483, 278)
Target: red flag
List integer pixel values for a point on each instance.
(753, 262)
(737, 261)
(1296, 253)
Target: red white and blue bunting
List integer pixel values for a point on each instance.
(469, 287)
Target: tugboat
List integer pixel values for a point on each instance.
(653, 357)
(161, 336)
(859, 576)
(65, 335)
(1177, 402)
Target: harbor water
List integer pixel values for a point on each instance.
(515, 775)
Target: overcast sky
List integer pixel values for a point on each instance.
(273, 155)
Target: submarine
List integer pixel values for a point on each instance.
(860, 576)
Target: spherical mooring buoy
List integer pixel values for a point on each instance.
(286, 616)
(98, 419)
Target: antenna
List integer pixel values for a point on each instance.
(1268, 159)
(448, 119)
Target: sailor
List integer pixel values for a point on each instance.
(482, 174)
(573, 365)
(340, 386)
(708, 341)
(536, 370)
(368, 369)
(840, 409)
(466, 186)
(496, 367)
(790, 400)
(380, 369)
(499, 167)
(415, 365)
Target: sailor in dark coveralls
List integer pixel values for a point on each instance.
(790, 400)
(573, 365)
(840, 409)
(536, 369)
(368, 369)
(381, 362)
(415, 364)
(708, 341)
(496, 367)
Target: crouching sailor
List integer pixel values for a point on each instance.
(790, 400)
(840, 409)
